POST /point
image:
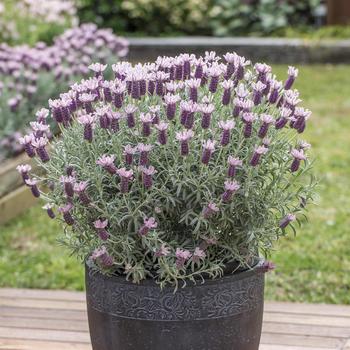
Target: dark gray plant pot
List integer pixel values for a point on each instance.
(221, 314)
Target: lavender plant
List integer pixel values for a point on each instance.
(177, 168)
(31, 76)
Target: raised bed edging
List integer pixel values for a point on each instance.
(272, 50)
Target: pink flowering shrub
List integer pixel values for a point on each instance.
(30, 76)
(176, 168)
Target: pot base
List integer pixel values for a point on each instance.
(222, 314)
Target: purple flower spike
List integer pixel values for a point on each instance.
(214, 73)
(282, 121)
(248, 119)
(147, 174)
(162, 132)
(262, 70)
(100, 226)
(32, 183)
(48, 207)
(210, 210)
(135, 89)
(208, 149)
(184, 137)
(115, 117)
(107, 163)
(301, 115)
(129, 152)
(144, 152)
(151, 87)
(67, 216)
(68, 183)
(125, 177)
(233, 164)
(148, 224)
(162, 251)
(130, 117)
(275, 88)
(55, 106)
(181, 257)
(104, 117)
(39, 145)
(267, 266)
(227, 86)
(146, 120)
(230, 188)
(118, 95)
(24, 170)
(87, 100)
(207, 111)
(101, 255)
(80, 189)
(107, 92)
(26, 141)
(286, 220)
(266, 120)
(259, 151)
(198, 255)
(193, 85)
(298, 155)
(170, 101)
(88, 122)
(226, 127)
(230, 59)
(292, 75)
(258, 89)
(98, 69)
(198, 74)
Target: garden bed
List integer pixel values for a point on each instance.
(272, 50)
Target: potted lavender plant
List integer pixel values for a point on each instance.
(171, 179)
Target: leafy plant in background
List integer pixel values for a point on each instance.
(177, 168)
(31, 76)
(30, 21)
(259, 17)
(150, 17)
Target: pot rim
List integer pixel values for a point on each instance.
(207, 281)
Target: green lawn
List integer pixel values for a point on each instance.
(314, 266)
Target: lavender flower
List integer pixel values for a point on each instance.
(98, 68)
(248, 119)
(118, 93)
(207, 111)
(88, 122)
(125, 177)
(66, 212)
(184, 137)
(80, 189)
(214, 73)
(262, 69)
(144, 153)
(258, 89)
(148, 224)
(24, 169)
(162, 132)
(230, 188)
(100, 226)
(267, 266)
(170, 101)
(48, 207)
(227, 86)
(101, 255)
(298, 155)
(146, 120)
(275, 88)
(68, 183)
(130, 117)
(32, 183)
(286, 220)
(301, 115)
(292, 75)
(266, 120)
(41, 115)
(233, 164)
(181, 257)
(26, 141)
(259, 151)
(147, 173)
(129, 152)
(198, 255)
(226, 127)
(208, 149)
(282, 121)
(114, 125)
(107, 90)
(193, 85)
(87, 100)
(162, 251)
(210, 210)
(155, 110)
(107, 163)
(39, 145)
